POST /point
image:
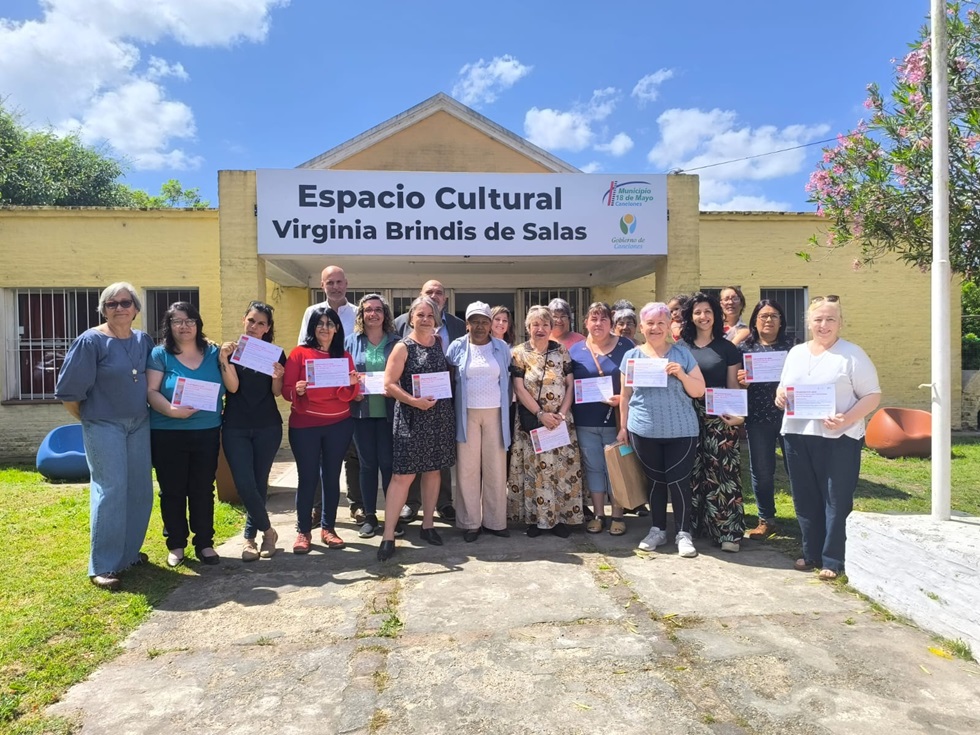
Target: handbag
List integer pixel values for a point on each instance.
(526, 420)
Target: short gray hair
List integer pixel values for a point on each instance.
(559, 304)
(538, 312)
(419, 301)
(112, 289)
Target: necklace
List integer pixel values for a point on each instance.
(127, 348)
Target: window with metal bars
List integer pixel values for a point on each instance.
(793, 301)
(47, 320)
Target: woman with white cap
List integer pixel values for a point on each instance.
(482, 373)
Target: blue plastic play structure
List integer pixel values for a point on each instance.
(61, 455)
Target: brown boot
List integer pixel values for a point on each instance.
(765, 529)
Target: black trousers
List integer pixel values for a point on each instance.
(445, 491)
(185, 462)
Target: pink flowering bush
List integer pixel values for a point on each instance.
(875, 186)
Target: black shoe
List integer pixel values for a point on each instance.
(447, 513)
(399, 529)
(471, 536)
(140, 560)
(431, 535)
(533, 531)
(587, 512)
(210, 560)
(640, 510)
(357, 515)
(108, 581)
(503, 532)
(560, 530)
(386, 550)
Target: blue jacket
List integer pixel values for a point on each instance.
(356, 345)
(458, 355)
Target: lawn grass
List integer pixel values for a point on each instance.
(56, 627)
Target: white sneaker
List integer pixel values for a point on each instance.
(655, 538)
(685, 546)
(733, 547)
(406, 512)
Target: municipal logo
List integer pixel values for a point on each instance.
(627, 223)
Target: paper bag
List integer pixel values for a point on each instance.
(629, 485)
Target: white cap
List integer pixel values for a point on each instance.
(478, 307)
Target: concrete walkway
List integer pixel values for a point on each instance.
(519, 635)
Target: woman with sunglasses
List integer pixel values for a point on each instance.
(103, 384)
(824, 454)
(185, 440)
(251, 431)
(763, 424)
(320, 425)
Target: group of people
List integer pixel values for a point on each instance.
(410, 398)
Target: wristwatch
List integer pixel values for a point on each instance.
(539, 414)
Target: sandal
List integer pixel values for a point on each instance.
(617, 527)
(802, 565)
(827, 574)
(594, 526)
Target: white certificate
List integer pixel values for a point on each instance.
(432, 385)
(253, 353)
(763, 367)
(199, 394)
(811, 401)
(649, 372)
(372, 384)
(594, 390)
(545, 440)
(726, 402)
(328, 373)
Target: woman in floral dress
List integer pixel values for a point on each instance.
(544, 490)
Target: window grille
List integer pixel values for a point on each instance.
(793, 301)
(158, 300)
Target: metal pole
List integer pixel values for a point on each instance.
(941, 368)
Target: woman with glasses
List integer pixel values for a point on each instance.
(824, 454)
(251, 431)
(185, 440)
(370, 347)
(561, 320)
(103, 384)
(320, 423)
(763, 424)
(732, 306)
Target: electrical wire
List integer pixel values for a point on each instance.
(747, 158)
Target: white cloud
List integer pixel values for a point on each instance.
(591, 167)
(571, 130)
(620, 145)
(648, 88)
(693, 138)
(71, 68)
(480, 83)
(745, 203)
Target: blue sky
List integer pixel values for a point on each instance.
(185, 88)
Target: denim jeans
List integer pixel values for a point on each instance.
(250, 454)
(763, 440)
(319, 452)
(121, 495)
(592, 441)
(824, 474)
(186, 462)
(375, 449)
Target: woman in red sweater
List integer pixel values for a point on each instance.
(320, 424)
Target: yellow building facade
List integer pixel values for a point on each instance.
(52, 259)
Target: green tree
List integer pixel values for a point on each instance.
(172, 195)
(875, 185)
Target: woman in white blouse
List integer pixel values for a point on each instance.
(824, 454)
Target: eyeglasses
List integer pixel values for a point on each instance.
(122, 304)
(327, 325)
(832, 298)
(729, 299)
(374, 310)
(769, 317)
(183, 323)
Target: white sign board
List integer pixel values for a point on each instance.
(315, 212)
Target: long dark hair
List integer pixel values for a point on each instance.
(266, 310)
(689, 331)
(337, 345)
(169, 343)
(753, 338)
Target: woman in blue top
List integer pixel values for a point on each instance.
(662, 427)
(370, 346)
(598, 356)
(185, 441)
(103, 383)
(251, 430)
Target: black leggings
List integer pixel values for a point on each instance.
(667, 464)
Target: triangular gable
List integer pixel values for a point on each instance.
(440, 134)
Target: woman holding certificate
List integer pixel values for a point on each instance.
(370, 347)
(828, 386)
(185, 391)
(595, 369)
(252, 429)
(320, 381)
(545, 479)
(657, 418)
(417, 377)
(761, 354)
(716, 479)
(482, 374)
